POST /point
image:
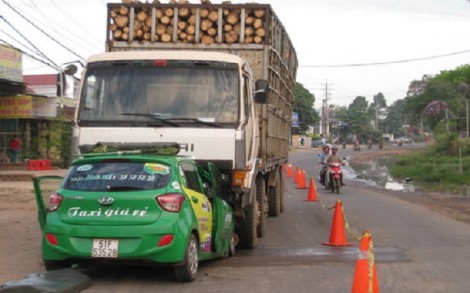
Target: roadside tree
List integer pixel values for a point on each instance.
(304, 101)
(359, 117)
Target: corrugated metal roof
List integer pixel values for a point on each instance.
(41, 79)
(42, 84)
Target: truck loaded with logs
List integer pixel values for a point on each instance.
(218, 79)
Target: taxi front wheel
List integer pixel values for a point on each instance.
(233, 244)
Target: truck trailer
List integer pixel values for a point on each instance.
(218, 79)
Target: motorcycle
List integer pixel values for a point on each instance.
(357, 147)
(333, 177)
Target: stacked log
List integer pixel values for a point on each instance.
(178, 23)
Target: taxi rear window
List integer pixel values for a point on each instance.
(117, 176)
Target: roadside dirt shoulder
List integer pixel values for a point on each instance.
(20, 245)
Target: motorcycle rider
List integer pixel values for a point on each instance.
(357, 145)
(321, 160)
(333, 158)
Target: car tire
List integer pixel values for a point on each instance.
(233, 244)
(188, 271)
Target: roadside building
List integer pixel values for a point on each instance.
(28, 106)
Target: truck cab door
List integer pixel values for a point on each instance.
(219, 189)
(44, 186)
(223, 225)
(252, 139)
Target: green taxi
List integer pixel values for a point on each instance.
(133, 207)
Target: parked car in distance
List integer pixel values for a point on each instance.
(128, 207)
(403, 140)
(317, 143)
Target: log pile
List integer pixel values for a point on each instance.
(187, 24)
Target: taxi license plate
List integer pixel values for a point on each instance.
(105, 248)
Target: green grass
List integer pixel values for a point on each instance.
(433, 172)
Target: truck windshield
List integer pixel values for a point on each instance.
(140, 91)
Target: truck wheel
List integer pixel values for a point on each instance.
(247, 227)
(261, 199)
(281, 182)
(188, 271)
(275, 198)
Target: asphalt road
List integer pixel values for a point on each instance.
(416, 249)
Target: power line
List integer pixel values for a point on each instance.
(73, 20)
(37, 50)
(31, 56)
(16, 40)
(49, 36)
(386, 62)
(66, 35)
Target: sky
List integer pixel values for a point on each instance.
(352, 47)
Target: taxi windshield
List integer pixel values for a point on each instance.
(117, 176)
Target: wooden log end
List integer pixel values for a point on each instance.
(165, 38)
(205, 39)
(231, 37)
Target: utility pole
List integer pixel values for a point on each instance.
(376, 102)
(464, 90)
(325, 112)
(466, 112)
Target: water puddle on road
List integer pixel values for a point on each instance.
(327, 253)
(376, 173)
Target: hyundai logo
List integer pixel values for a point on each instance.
(106, 200)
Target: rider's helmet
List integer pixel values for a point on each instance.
(334, 147)
(325, 146)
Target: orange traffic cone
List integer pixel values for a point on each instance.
(365, 276)
(338, 232)
(312, 192)
(297, 175)
(302, 184)
(289, 171)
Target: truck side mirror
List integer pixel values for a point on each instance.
(71, 69)
(261, 91)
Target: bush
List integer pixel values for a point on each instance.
(447, 143)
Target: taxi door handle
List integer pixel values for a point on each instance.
(194, 199)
